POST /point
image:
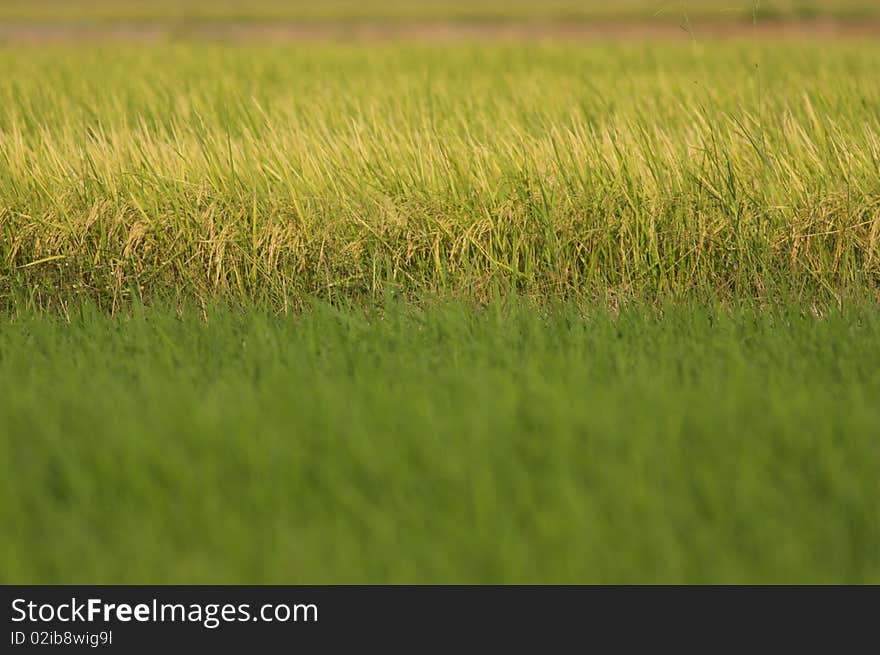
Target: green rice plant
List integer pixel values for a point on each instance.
(282, 172)
(696, 444)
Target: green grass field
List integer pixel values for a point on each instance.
(442, 445)
(452, 311)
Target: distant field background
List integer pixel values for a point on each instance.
(436, 307)
(392, 10)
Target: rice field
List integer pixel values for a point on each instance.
(442, 445)
(431, 310)
(279, 173)
(73, 12)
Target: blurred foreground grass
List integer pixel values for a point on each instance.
(442, 444)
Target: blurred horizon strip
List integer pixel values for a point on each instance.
(14, 12)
